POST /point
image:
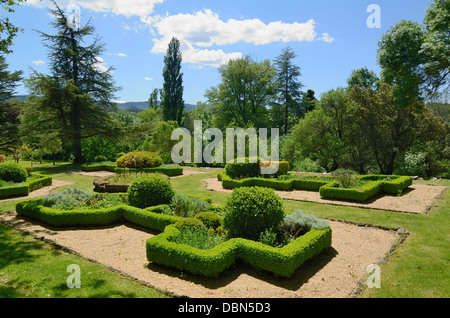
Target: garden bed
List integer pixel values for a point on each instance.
(334, 274)
(369, 185)
(418, 198)
(34, 182)
(279, 261)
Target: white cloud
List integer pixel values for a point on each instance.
(118, 54)
(38, 62)
(201, 33)
(101, 65)
(148, 78)
(128, 8)
(327, 38)
(204, 29)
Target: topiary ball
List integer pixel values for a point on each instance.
(210, 219)
(190, 224)
(252, 211)
(13, 172)
(150, 190)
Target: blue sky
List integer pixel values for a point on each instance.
(331, 38)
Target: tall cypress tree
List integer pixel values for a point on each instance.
(85, 92)
(289, 87)
(172, 96)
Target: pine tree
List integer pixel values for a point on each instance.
(77, 95)
(172, 96)
(289, 87)
(9, 112)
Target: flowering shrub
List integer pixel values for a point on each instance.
(2, 158)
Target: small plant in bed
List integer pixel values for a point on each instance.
(74, 198)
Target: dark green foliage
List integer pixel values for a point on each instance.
(100, 158)
(139, 159)
(346, 178)
(172, 102)
(10, 171)
(249, 169)
(190, 223)
(75, 99)
(150, 190)
(210, 219)
(251, 211)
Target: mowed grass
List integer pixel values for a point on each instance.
(419, 267)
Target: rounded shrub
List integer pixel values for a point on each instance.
(210, 219)
(252, 211)
(190, 224)
(13, 172)
(150, 190)
(139, 159)
(100, 158)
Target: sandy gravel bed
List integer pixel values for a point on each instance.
(333, 274)
(42, 192)
(418, 198)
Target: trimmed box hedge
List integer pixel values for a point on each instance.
(281, 262)
(332, 191)
(286, 185)
(149, 218)
(26, 188)
(392, 185)
(169, 171)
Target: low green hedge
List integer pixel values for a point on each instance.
(91, 167)
(169, 171)
(281, 262)
(327, 189)
(395, 186)
(149, 218)
(286, 185)
(332, 191)
(26, 188)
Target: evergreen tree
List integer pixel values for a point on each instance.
(9, 111)
(77, 96)
(289, 87)
(172, 97)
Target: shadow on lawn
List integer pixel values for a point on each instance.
(301, 275)
(15, 250)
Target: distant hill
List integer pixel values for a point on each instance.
(130, 106)
(140, 106)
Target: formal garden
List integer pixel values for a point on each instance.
(342, 195)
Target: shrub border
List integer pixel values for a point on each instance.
(210, 263)
(26, 188)
(327, 189)
(282, 262)
(170, 171)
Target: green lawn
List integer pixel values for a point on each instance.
(419, 267)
